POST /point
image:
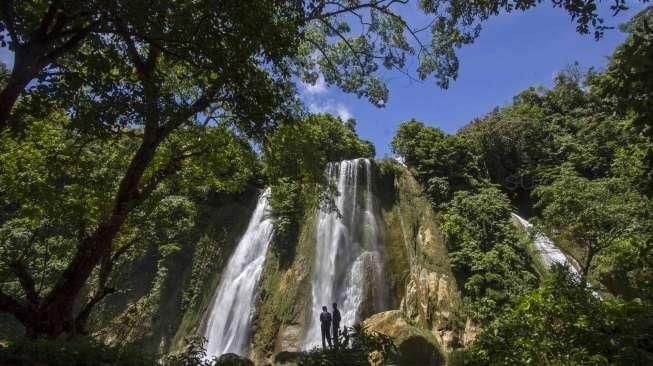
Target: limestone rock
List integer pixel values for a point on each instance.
(375, 358)
(428, 303)
(390, 323)
(289, 338)
(416, 346)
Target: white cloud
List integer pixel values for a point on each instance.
(343, 112)
(330, 106)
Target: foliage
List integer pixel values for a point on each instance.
(357, 346)
(570, 154)
(79, 352)
(626, 89)
(513, 143)
(444, 164)
(485, 253)
(194, 354)
(344, 42)
(301, 150)
(124, 116)
(627, 83)
(580, 151)
(56, 188)
(593, 214)
(564, 323)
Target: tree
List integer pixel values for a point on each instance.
(626, 89)
(443, 164)
(626, 85)
(563, 322)
(130, 83)
(56, 189)
(39, 34)
(43, 35)
(485, 253)
(593, 214)
(143, 70)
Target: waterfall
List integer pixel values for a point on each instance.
(547, 250)
(551, 254)
(228, 326)
(348, 266)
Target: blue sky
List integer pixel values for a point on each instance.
(513, 52)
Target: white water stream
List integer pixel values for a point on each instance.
(548, 251)
(348, 265)
(229, 322)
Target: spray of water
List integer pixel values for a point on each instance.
(229, 322)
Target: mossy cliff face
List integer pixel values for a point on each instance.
(285, 296)
(423, 287)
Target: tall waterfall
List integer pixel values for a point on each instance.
(348, 266)
(228, 326)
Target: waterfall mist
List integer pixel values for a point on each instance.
(229, 322)
(348, 265)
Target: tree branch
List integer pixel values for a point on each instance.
(49, 16)
(81, 319)
(71, 43)
(12, 306)
(26, 281)
(7, 12)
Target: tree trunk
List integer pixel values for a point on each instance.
(588, 263)
(55, 315)
(28, 62)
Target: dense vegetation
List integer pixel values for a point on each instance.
(126, 128)
(577, 157)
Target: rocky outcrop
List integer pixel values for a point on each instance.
(421, 279)
(416, 345)
(430, 302)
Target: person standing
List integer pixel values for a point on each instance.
(336, 324)
(325, 323)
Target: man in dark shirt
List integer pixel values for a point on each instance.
(325, 322)
(336, 323)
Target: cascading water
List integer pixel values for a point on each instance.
(551, 254)
(228, 326)
(548, 251)
(348, 266)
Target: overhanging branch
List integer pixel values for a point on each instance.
(26, 281)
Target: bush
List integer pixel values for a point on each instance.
(358, 346)
(82, 352)
(565, 323)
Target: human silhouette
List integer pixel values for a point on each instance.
(336, 324)
(325, 322)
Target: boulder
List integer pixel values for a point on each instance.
(416, 346)
(390, 323)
